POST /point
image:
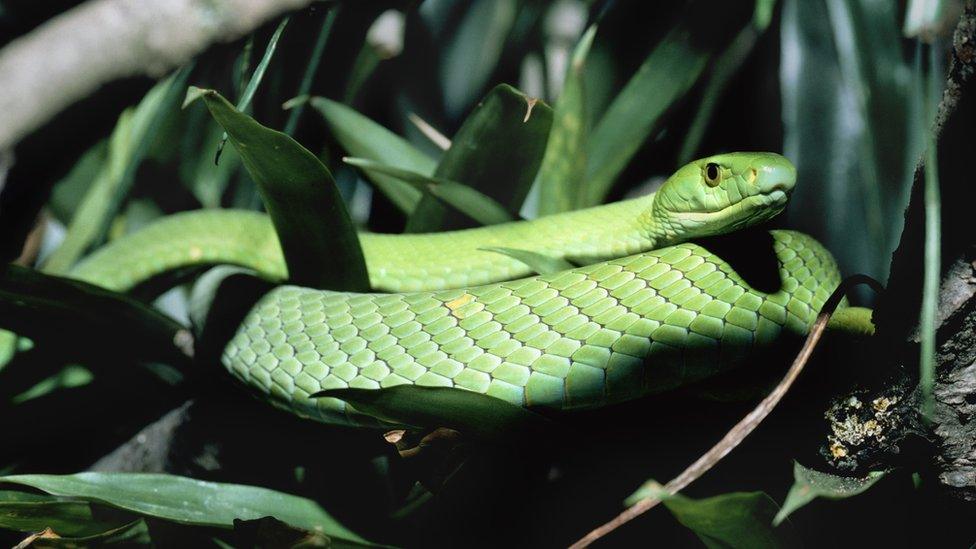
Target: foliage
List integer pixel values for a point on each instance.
(317, 129)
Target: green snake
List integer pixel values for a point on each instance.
(648, 312)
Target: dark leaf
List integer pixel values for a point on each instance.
(127, 147)
(33, 512)
(253, 83)
(362, 137)
(728, 521)
(45, 307)
(497, 152)
(563, 167)
(318, 239)
(472, 414)
(189, 501)
(472, 55)
(133, 534)
(462, 198)
(809, 485)
(662, 80)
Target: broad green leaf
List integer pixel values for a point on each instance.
(25, 512)
(464, 199)
(809, 485)
(189, 501)
(561, 174)
(473, 414)
(252, 85)
(540, 263)
(471, 56)
(364, 138)
(94, 319)
(728, 521)
(497, 152)
(127, 146)
(662, 80)
(317, 237)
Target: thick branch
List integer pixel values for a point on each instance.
(73, 54)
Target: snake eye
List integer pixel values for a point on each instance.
(713, 174)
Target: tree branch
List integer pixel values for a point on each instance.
(946, 440)
(72, 55)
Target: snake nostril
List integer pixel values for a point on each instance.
(752, 175)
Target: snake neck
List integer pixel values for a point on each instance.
(599, 233)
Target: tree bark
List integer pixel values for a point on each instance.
(72, 55)
(945, 442)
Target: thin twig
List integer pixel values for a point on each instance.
(745, 426)
(430, 132)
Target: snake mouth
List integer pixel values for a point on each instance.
(766, 204)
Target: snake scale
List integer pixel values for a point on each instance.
(648, 311)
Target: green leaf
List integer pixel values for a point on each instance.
(72, 375)
(135, 533)
(473, 54)
(317, 237)
(92, 319)
(932, 271)
(851, 91)
(8, 347)
(763, 14)
(127, 147)
(69, 192)
(661, 81)
(32, 513)
(189, 501)
(724, 68)
(313, 64)
(219, 301)
(254, 82)
(727, 521)
(540, 263)
(473, 414)
(364, 138)
(809, 485)
(561, 174)
(497, 152)
(464, 199)
(206, 181)
(367, 60)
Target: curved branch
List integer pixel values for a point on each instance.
(72, 55)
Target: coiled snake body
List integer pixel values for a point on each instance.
(648, 312)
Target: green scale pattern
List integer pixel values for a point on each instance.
(580, 338)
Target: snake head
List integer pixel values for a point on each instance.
(720, 194)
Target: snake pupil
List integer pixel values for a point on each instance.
(712, 174)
